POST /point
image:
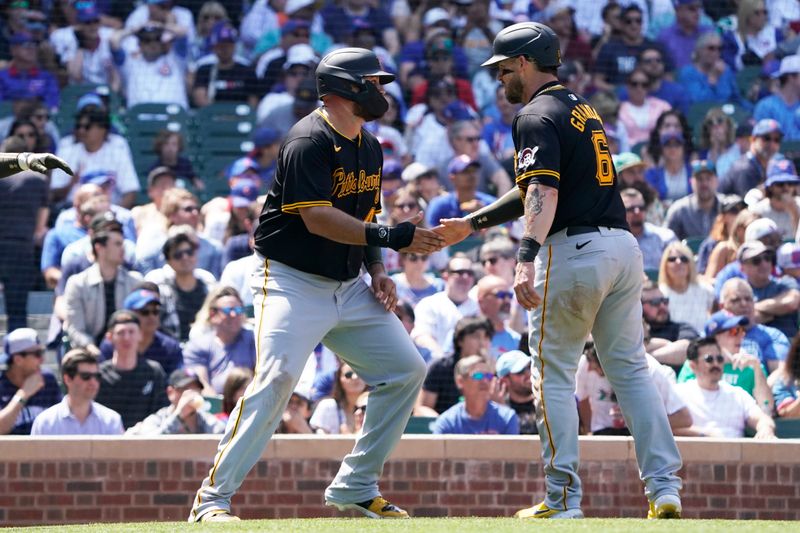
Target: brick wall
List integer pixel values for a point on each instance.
(49, 481)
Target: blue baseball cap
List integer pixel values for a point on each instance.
(99, 177)
(460, 163)
(89, 99)
(765, 126)
(292, 25)
(457, 111)
(139, 299)
(723, 321)
(780, 165)
(265, 136)
(87, 12)
(223, 32)
(243, 192)
(392, 169)
(512, 362)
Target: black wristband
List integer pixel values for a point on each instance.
(394, 237)
(528, 248)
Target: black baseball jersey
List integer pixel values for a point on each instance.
(318, 166)
(559, 141)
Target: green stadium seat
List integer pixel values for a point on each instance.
(694, 243)
(467, 245)
(146, 120)
(787, 428)
(745, 79)
(420, 425)
(698, 110)
(226, 119)
(652, 274)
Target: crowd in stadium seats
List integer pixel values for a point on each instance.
(172, 115)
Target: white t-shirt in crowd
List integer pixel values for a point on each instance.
(437, 316)
(724, 411)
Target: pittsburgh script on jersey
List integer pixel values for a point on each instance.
(581, 113)
(346, 184)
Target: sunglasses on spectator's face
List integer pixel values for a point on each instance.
(417, 257)
(632, 20)
(734, 331)
(655, 302)
(482, 376)
(678, 259)
(231, 310)
(350, 375)
(83, 126)
(35, 353)
(86, 376)
(155, 311)
(503, 295)
(180, 254)
(493, 260)
(471, 139)
(409, 205)
(710, 358)
(640, 84)
(652, 60)
(757, 260)
(773, 138)
(462, 272)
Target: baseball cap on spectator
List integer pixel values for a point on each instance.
(87, 12)
(157, 2)
(458, 110)
(222, 32)
(780, 165)
(702, 165)
(21, 340)
(416, 170)
(789, 65)
(722, 321)
(157, 172)
(139, 299)
(306, 92)
(511, 362)
(765, 126)
(300, 54)
(99, 177)
(671, 136)
(760, 228)
(789, 255)
(751, 249)
(303, 392)
(243, 192)
(183, 377)
(732, 204)
(89, 99)
(435, 15)
(105, 221)
(785, 177)
(265, 136)
(293, 6)
(745, 129)
(460, 163)
(21, 37)
(678, 3)
(626, 160)
(292, 25)
(392, 169)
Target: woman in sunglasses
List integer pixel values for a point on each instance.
(690, 299)
(336, 415)
(640, 113)
(224, 343)
(414, 282)
(708, 78)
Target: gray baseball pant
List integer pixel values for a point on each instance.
(295, 311)
(595, 288)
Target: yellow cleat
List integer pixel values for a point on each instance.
(374, 508)
(543, 511)
(665, 506)
(220, 515)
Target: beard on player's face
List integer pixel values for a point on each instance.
(513, 89)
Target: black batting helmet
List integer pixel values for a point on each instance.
(341, 69)
(531, 39)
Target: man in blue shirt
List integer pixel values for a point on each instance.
(680, 38)
(262, 159)
(24, 77)
(477, 414)
(465, 198)
(25, 389)
(784, 104)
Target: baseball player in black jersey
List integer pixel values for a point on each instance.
(316, 231)
(579, 271)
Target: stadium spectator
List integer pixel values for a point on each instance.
(780, 204)
(304, 10)
(497, 130)
(513, 370)
(209, 15)
(761, 229)
(725, 251)
(95, 149)
(283, 113)
(435, 22)
(181, 208)
(477, 414)
(690, 298)
(176, 19)
(226, 80)
(465, 198)
(169, 147)
(235, 384)
(785, 384)
(438, 314)
(598, 409)
(707, 78)
(156, 73)
(298, 412)
(472, 336)
(335, 415)
(752, 40)
(159, 180)
(669, 122)
(785, 102)
(742, 366)
(262, 18)
(94, 294)
(423, 182)
(413, 282)
(750, 170)
(183, 286)
(668, 338)
(24, 76)
(339, 19)
(145, 303)
(737, 299)
(495, 299)
(405, 313)
(262, 158)
(25, 131)
(559, 15)
(680, 38)
(78, 413)
(270, 66)
(131, 385)
(694, 214)
(607, 103)
(788, 260)
(671, 177)
(89, 190)
(717, 140)
(652, 239)
(84, 48)
(476, 33)
(185, 414)
(221, 342)
(720, 231)
(640, 112)
(26, 389)
(23, 226)
(719, 409)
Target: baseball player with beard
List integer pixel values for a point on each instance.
(315, 232)
(579, 271)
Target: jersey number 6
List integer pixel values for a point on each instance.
(605, 165)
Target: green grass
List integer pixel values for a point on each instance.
(437, 525)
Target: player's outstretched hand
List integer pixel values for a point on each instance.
(523, 286)
(44, 162)
(453, 230)
(385, 290)
(425, 241)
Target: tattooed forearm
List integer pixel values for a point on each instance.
(540, 203)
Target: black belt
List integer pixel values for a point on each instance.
(580, 230)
